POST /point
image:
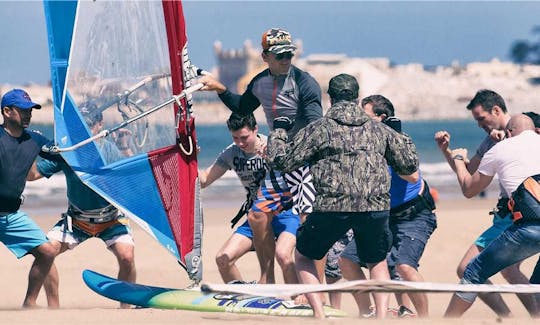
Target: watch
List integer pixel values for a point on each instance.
(458, 157)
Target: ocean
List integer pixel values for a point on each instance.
(228, 192)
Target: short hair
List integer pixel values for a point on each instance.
(381, 105)
(237, 122)
(535, 117)
(487, 99)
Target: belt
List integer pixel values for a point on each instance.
(9, 205)
(94, 216)
(96, 220)
(420, 202)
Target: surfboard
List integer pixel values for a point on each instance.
(195, 299)
(367, 286)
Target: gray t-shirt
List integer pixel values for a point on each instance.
(250, 167)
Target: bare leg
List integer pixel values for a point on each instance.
(235, 247)
(307, 274)
(335, 297)
(284, 255)
(52, 280)
(352, 271)
(419, 299)
(457, 307)
(493, 300)
(264, 243)
(125, 254)
(513, 275)
(44, 256)
(379, 271)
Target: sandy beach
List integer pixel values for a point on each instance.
(459, 222)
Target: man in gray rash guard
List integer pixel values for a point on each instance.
(282, 90)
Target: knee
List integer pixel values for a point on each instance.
(126, 260)
(223, 260)
(284, 257)
(405, 271)
(46, 252)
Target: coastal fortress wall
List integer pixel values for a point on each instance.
(418, 92)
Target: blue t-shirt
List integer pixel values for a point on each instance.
(402, 191)
(16, 158)
(78, 193)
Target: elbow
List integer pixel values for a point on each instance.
(468, 193)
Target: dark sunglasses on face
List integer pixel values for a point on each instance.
(284, 55)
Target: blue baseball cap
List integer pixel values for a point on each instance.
(18, 98)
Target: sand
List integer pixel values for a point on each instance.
(459, 222)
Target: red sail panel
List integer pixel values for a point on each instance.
(174, 171)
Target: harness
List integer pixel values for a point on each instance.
(422, 201)
(525, 200)
(9, 205)
(91, 222)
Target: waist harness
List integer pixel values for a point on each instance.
(525, 200)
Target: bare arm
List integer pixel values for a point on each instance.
(443, 142)
(210, 175)
(33, 174)
(473, 184)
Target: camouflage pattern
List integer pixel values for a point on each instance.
(348, 154)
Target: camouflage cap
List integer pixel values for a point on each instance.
(344, 87)
(277, 40)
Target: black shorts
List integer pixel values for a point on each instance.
(322, 229)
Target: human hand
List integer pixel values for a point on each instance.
(443, 140)
(283, 122)
(122, 138)
(211, 84)
(497, 135)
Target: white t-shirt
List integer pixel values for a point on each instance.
(513, 160)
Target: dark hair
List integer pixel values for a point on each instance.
(381, 105)
(535, 117)
(487, 99)
(237, 122)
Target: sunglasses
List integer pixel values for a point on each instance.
(284, 55)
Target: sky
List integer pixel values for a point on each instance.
(430, 33)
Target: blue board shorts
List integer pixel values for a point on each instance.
(500, 224)
(286, 221)
(20, 234)
(118, 233)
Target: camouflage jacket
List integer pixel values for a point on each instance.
(348, 154)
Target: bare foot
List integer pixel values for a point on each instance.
(300, 300)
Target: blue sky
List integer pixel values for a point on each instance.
(430, 33)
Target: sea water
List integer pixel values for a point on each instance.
(227, 191)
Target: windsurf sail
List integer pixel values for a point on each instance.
(127, 62)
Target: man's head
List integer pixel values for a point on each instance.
(489, 110)
(536, 120)
(278, 50)
(92, 117)
(343, 87)
(378, 107)
(17, 107)
(244, 131)
(517, 124)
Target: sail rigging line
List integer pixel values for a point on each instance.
(104, 133)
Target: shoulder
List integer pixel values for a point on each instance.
(37, 136)
(261, 75)
(303, 78)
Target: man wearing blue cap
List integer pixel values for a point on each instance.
(18, 150)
